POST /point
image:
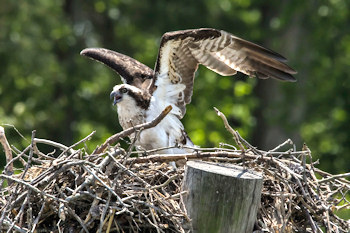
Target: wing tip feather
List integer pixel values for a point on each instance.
(90, 52)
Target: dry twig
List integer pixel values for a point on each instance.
(8, 152)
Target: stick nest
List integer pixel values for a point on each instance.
(117, 190)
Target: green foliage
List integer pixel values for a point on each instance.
(344, 213)
(326, 125)
(46, 85)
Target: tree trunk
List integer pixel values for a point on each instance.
(221, 197)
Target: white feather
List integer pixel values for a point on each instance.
(169, 131)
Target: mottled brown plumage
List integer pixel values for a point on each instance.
(184, 50)
(219, 51)
(171, 83)
(131, 71)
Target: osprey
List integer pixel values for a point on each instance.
(145, 93)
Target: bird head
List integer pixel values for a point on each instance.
(128, 93)
(120, 92)
(117, 94)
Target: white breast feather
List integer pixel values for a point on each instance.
(167, 94)
(170, 130)
(129, 113)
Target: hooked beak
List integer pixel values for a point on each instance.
(116, 96)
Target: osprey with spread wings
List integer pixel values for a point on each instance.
(145, 93)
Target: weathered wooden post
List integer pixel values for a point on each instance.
(221, 197)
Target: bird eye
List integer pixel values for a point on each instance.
(123, 90)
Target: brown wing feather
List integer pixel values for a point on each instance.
(175, 56)
(181, 51)
(131, 71)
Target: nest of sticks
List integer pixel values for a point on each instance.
(117, 190)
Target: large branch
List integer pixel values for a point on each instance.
(131, 130)
(189, 156)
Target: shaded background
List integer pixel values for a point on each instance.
(47, 86)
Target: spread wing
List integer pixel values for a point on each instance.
(181, 52)
(131, 71)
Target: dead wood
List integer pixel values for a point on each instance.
(8, 152)
(117, 190)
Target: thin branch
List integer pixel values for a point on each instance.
(31, 187)
(17, 228)
(36, 220)
(17, 157)
(229, 128)
(188, 156)
(30, 155)
(72, 212)
(333, 177)
(103, 215)
(105, 185)
(174, 177)
(111, 140)
(54, 144)
(77, 143)
(8, 152)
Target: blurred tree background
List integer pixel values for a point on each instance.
(47, 86)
